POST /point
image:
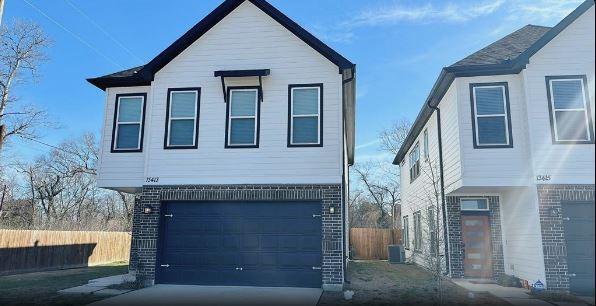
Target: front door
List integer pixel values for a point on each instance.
(477, 249)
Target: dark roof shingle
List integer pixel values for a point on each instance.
(505, 49)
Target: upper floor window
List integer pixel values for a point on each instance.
(242, 123)
(426, 147)
(491, 117)
(129, 118)
(569, 107)
(182, 118)
(415, 163)
(305, 115)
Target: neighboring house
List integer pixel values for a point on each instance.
(510, 129)
(237, 139)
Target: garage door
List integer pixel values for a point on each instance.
(579, 237)
(275, 244)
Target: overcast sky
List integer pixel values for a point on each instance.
(398, 46)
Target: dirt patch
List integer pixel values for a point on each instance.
(377, 283)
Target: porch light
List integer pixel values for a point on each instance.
(332, 209)
(147, 210)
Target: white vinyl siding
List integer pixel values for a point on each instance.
(183, 116)
(305, 116)
(569, 110)
(243, 118)
(129, 123)
(491, 118)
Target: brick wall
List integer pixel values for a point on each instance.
(145, 227)
(456, 250)
(550, 198)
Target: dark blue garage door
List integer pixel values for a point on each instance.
(578, 221)
(275, 244)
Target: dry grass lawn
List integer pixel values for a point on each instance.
(378, 283)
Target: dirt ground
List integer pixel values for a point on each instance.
(377, 283)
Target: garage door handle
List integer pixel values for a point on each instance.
(316, 268)
(572, 275)
(566, 219)
(238, 269)
(165, 266)
(316, 216)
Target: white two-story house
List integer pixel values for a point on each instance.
(236, 139)
(507, 138)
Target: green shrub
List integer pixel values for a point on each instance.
(509, 281)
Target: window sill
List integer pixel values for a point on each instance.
(313, 145)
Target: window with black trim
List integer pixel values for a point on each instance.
(426, 147)
(415, 163)
(569, 108)
(406, 233)
(417, 231)
(305, 126)
(491, 116)
(242, 124)
(129, 117)
(182, 118)
(432, 231)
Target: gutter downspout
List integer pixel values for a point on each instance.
(442, 177)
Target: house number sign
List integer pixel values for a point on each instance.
(543, 178)
(152, 180)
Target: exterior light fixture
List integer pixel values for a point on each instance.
(331, 209)
(554, 212)
(147, 210)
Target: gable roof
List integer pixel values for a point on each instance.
(143, 75)
(505, 49)
(508, 55)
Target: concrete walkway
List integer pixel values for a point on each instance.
(99, 286)
(514, 296)
(220, 296)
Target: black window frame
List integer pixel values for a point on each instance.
(291, 87)
(406, 232)
(113, 148)
(426, 144)
(417, 220)
(257, 117)
(509, 132)
(166, 144)
(432, 230)
(414, 167)
(587, 110)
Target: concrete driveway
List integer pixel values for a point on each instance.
(221, 296)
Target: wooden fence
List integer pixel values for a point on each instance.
(28, 251)
(371, 243)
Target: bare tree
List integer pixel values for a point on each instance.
(22, 48)
(393, 137)
(427, 203)
(381, 190)
(60, 187)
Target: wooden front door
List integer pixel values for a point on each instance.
(477, 250)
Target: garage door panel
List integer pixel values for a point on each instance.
(579, 241)
(241, 243)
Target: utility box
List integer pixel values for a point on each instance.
(397, 254)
